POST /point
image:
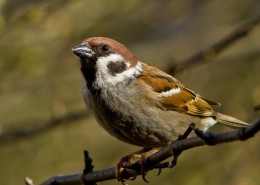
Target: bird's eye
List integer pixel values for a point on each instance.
(104, 47)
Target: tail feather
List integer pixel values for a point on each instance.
(230, 121)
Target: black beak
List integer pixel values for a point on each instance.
(83, 51)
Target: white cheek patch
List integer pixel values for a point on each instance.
(104, 78)
(102, 63)
(170, 92)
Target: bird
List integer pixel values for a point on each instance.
(137, 103)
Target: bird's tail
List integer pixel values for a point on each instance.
(230, 121)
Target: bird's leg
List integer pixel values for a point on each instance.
(138, 155)
(176, 153)
(187, 132)
(210, 138)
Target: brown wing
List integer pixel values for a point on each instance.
(173, 95)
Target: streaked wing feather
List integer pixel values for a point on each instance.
(182, 100)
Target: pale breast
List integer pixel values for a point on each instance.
(129, 116)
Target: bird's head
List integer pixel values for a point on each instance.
(105, 61)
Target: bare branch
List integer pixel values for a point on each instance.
(42, 126)
(212, 51)
(74, 179)
(179, 145)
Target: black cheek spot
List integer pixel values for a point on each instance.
(116, 67)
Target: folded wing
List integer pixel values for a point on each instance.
(173, 95)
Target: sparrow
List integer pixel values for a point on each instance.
(138, 103)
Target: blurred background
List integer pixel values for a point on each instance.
(40, 83)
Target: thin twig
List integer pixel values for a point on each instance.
(88, 167)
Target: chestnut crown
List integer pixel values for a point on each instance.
(95, 47)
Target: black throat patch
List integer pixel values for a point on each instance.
(88, 69)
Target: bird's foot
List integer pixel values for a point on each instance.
(141, 155)
(122, 165)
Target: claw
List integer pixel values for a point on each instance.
(143, 169)
(144, 178)
(159, 172)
